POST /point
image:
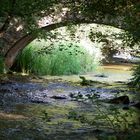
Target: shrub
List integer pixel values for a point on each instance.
(56, 59)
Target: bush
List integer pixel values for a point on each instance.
(57, 59)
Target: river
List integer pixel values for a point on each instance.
(60, 108)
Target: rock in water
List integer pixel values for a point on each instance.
(101, 75)
(84, 81)
(58, 97)
(120, 100)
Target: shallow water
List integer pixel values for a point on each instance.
(112, 72)
(28, 111)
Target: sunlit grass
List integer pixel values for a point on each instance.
(63, 59)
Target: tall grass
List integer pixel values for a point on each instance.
(63, 59)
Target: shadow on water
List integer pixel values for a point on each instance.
(59, 108)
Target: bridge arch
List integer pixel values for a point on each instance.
(20, 44)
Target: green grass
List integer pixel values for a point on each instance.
(55, 59)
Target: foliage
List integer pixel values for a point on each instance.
(56, 59)
(114, 42)
(109, 43)
(108, 50)
(28, 12)
(135, 81)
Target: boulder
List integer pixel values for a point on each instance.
(101, 75)
(120, 100)
(58, 97)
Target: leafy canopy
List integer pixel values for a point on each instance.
(124, 13)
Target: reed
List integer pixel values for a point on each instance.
(63, 59)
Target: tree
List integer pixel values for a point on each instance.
(22, 21)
